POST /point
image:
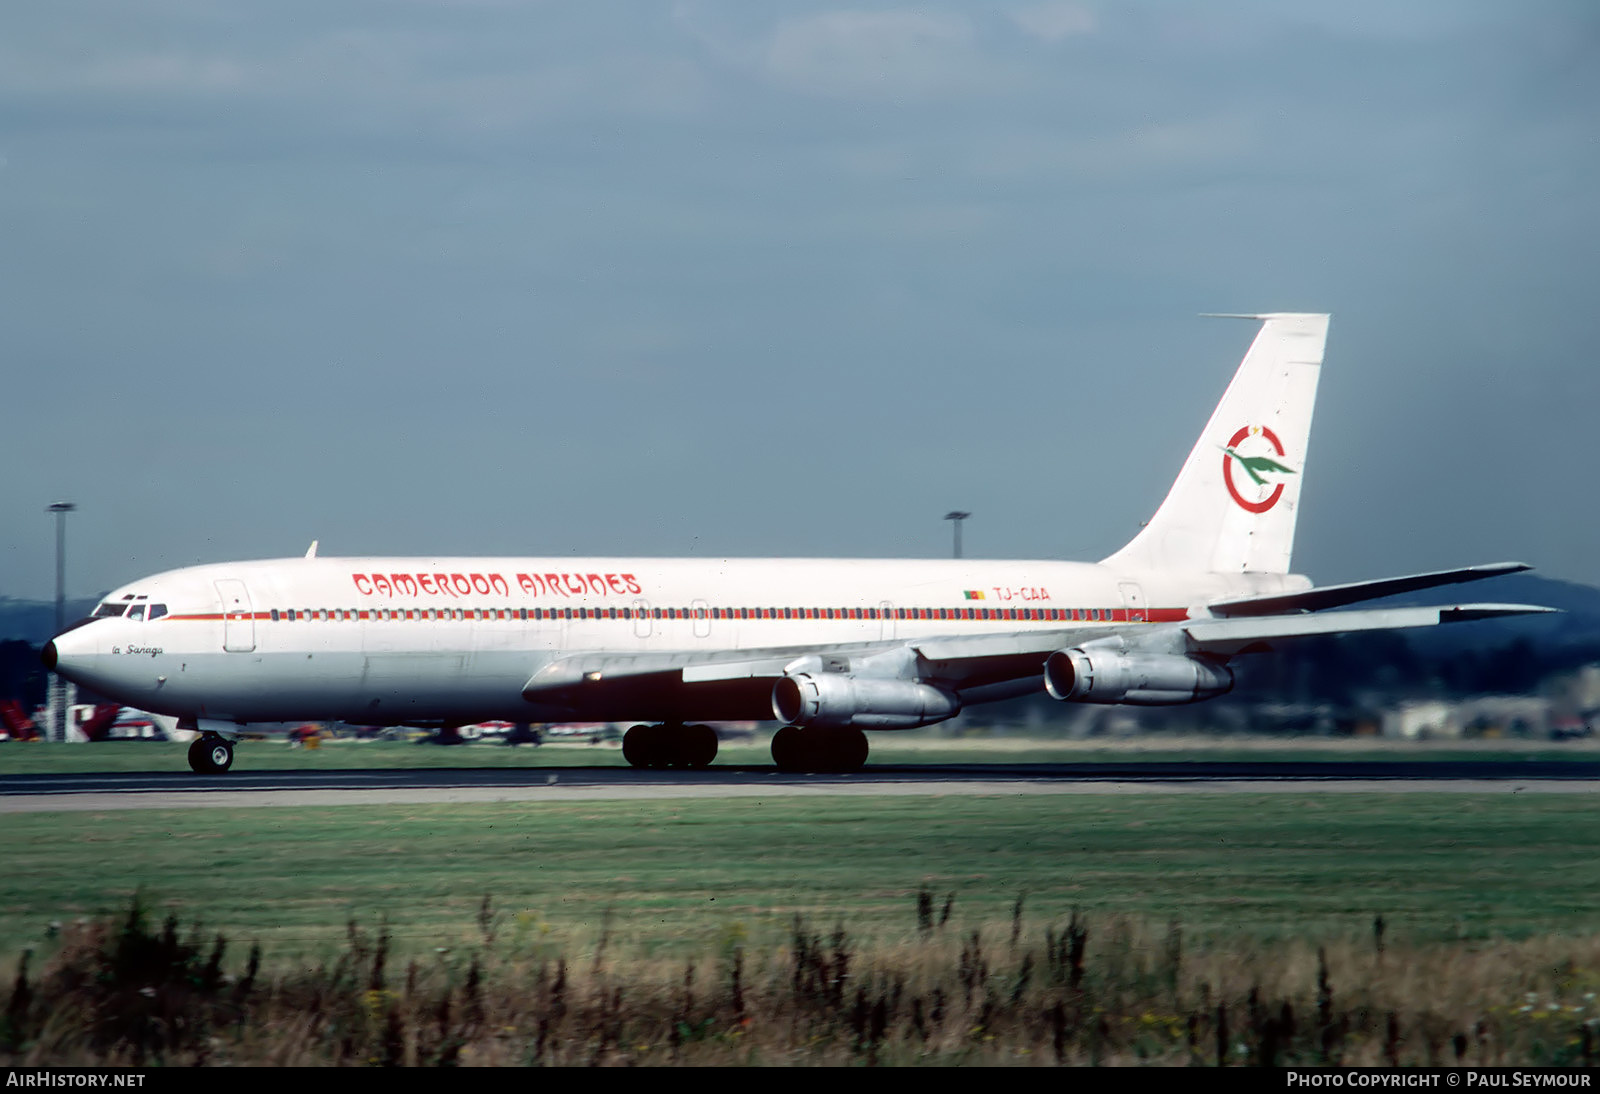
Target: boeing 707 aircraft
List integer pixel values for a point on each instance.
(829, 648)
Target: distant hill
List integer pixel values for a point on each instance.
(1577, 626)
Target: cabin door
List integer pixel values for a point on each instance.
(1133, 600)
(238, 617)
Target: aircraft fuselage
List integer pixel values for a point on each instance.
(421, 641)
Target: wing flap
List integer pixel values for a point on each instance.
(691, 666)
(737, 670)
(974, 646)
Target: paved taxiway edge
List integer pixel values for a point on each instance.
(555, 792)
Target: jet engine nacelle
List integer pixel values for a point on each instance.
(1139, 679)
(840, 699)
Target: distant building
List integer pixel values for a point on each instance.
(1485, 716)
(1421, 720)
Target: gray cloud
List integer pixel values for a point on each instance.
(759, 280)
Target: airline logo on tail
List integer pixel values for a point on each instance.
(1252, 448)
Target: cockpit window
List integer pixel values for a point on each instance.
(109, 609)
(136, 612)
(157, 611)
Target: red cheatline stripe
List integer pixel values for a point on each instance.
(911, 615)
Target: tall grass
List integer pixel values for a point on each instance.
(1074, 990)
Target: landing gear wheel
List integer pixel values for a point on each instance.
(697, 746)
(844, 752)
(790, 751)
(670, 746)
(210, 754)
(820, 751)
(640, 746)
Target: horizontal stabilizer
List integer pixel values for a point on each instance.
(1335, 596)
(1229, 636)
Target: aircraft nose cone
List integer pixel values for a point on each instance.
(48, 656)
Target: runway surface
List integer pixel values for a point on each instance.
(182, 789)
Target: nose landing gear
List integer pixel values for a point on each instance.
(210, 754)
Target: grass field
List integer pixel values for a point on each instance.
(703, 931)
(887, 748)
(687, 873)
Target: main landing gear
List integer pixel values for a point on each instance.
(819, 751)
(210, 754)
(670, 746)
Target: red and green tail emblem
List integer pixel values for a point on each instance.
(1246, 448)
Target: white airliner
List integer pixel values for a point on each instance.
(827, 647)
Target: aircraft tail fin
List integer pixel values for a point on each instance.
(1233, 506)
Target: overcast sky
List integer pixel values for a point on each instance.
(722, 278)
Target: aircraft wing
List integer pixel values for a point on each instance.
(966, 662)
(959, 658)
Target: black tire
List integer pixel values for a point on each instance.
(640, 746)
(670, 742)
(199, 762)
(210, 755)
(846, 751)
(791, 749)
(698, 746)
